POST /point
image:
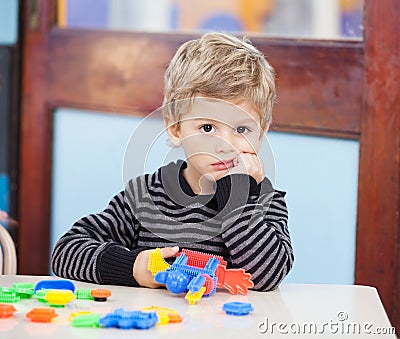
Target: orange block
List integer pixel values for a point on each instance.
(7, 310)
(100, 294)
(42, 314)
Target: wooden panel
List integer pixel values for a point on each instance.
(36, 145)
(378, 224)
(320, 83)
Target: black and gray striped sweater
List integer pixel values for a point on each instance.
(244, 222)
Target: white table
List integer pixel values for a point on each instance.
(277, 314)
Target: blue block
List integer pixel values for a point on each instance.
(55, 285)
(180, 277)
(237, 308)
(129, 319)
(196, 284)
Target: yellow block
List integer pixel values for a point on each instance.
(164, 314)
(156, 262)
(59, 297)
(75, 314)
(196, 296)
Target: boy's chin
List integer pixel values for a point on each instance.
(217, 175)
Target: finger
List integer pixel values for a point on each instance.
(167, 252)
(154, 284)
(236, 161)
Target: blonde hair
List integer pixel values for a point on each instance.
(219, 66)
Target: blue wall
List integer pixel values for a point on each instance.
(8, 22)
(319, 175)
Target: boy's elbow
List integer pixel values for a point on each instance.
(275, 279)
(266, 287)
(56, 263)
(54, 266)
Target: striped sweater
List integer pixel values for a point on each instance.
(244, 222)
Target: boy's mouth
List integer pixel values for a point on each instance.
(223, 165)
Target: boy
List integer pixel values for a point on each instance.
(219, 93)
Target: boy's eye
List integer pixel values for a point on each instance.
(241, 129)
(208, 128)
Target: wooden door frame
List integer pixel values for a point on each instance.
(343, 89)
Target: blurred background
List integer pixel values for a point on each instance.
(327, 19)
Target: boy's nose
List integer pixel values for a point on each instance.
(224, 146)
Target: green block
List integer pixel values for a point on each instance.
(86, 320)
(41, 296)
(8, 289)
(24, 285)
(24, 290)
(9, 297)
(83, 294)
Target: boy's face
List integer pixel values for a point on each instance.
(213, 134)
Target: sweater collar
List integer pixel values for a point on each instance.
(177, 187)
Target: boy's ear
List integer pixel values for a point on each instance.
(265, 130)
(173, 131)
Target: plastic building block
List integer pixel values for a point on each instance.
(41, 295)
(86, 320)
(55, 285)
(175, 318)
(75, 314)
(138, 319)
(157, 262)
(200, 259)
(43, 315)
(27, 285)
(58, 298)
(8, 289)
(234, 280)
(193, 270)
(83, 294)
(7, 311)
(8, 296)
(110, 319)
(100, 294)
(175, 281)
(181, 277)
(24, 290)
(129, 319)
(196, 296)
(197, 283)
(237, 308)
(165, 315)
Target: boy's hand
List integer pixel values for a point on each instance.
(248, 163)
(140, 272)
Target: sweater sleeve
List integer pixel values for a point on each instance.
(100, 248)
(254, 229)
